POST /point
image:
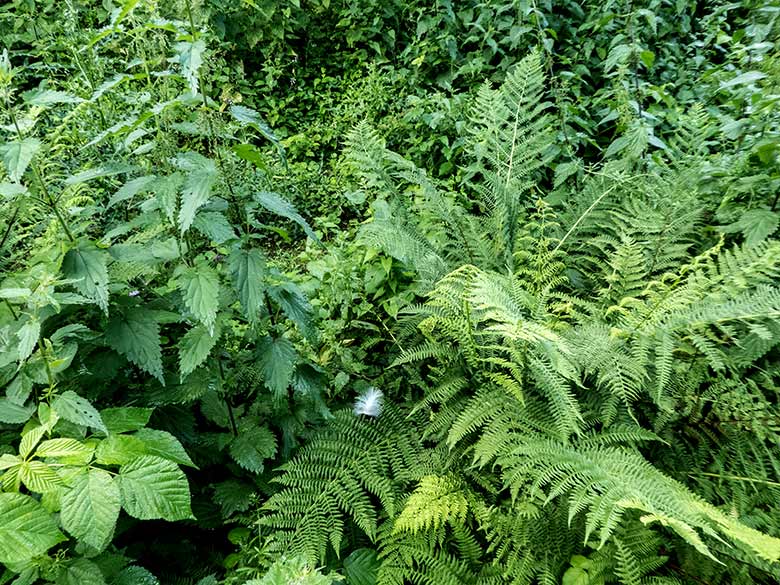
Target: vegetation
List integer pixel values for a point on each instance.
(382, 293)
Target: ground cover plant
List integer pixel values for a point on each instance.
(386, 293)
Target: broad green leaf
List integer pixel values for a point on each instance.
(150, 253)
(78, 410)
(62, 447)
(18, 155)
(119, 450)
(87, 266)
(11, 190)
(90, 507)
(575, 576)
(361, 567)
(15, 293)
(125, 419)
(190, 57)
(199, 286)
(136, 335)
(194, 348)
(248, 270)
(252, 447)
(214, 226)
(135, 575)
(295, 306)
(280, 206)
(248, 117)
(30, 438)
(26, 529)
(131, 189)
(154, 488)
(12, 413)
(7, 461)
(49, 97)
(39, 477)
(198, 183)
(756, 225)
(743, 79)
(19, 390)
(28, 336)
(233, 496)
(276, 358)
(108, 170)
(80, 571)
(165, 445)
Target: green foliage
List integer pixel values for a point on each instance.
(475, 292)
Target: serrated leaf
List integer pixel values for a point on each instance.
(90, 507)
(39, 477)
(18, 155)
(131, 189)
(743, 79)
(214, 226)
(198, 184)
(252, 447)
(136, 335)
(26, 530)
(87, 266)
(119, 450)
(278, 205)
(248, 270)
(361, 567)
(62, 447)
(248, 117)
(165, 445)
(12, 413)
(78, 410)
(125, 419)
(108, 170)
(154, 488)
(135, 575)
(28, 335)
(199, 286)
(756, 225)
(233, 496)
(30, 438)
(194, 348)
(295, 306)
(189, 56)
(49, 97)
(80, 572)
(276, 359)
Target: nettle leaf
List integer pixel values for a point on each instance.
(154, 488)
(295, 306)
(278, 205)
(80, 572)
(198, 184)
(214, 226)
(195, 347)
(249, 117)
(13, 414)
(135, 575)
(252, 446)
(165, 445)
(199, 286)
(248, 270)
(28, 335)
(49, 97)
(276, 358)
(90, 507)
(233, 496)
(18, 155)
(756, 225)
(136, 335)
(26, 530)
(131, 189)
(190, 57)
(78, 410)
(126, 418)
(87, 266)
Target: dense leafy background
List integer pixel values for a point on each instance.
(387, 292)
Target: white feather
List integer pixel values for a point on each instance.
(369, 403)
